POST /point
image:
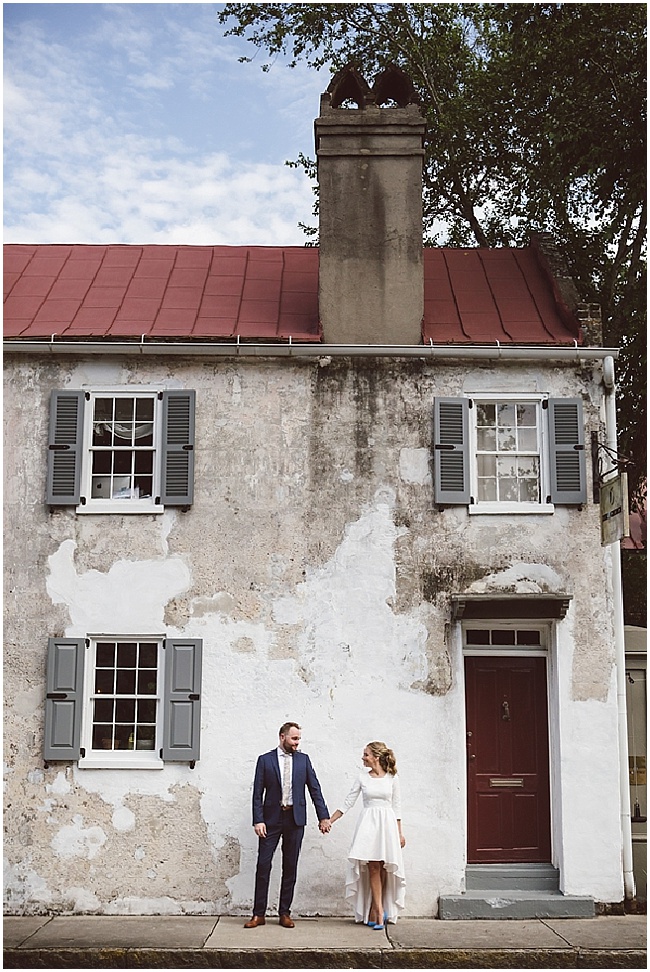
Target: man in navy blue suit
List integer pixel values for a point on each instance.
(280, 811)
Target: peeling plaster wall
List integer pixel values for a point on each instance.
(318, 574)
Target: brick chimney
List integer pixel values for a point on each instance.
(371, 284)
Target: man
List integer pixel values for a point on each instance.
(280, 811)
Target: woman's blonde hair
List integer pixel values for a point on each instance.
(385, 756)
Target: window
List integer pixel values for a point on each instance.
(124, 696)
(509, 453)
(506, 638)
(121, 450)
(122, 447)
(503, 637)
(123, 702)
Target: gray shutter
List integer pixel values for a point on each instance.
(182, 700)
(451, 451)
(64, 448)
(177, 467)
(568, 465)
(63, 699)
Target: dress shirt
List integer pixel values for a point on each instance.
(282, 758)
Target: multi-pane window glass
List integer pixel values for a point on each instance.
(508, 451)
(122, 447)
(125, 697)
(503, 636)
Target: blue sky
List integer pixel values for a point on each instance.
(135, 123)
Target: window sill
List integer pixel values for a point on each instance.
(477, 509)
(137, 763)
(123, 507)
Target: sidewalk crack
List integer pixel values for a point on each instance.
(211, 932)
(389, 939)
(36, 930)
(556, 932)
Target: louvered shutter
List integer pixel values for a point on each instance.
(567, 451)
(63, 699)
(182, 700)
(451, 451)
(177, 472)
(64, 448)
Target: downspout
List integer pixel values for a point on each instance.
(619, 641)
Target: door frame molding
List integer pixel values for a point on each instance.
(547, 649)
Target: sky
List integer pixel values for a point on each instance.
(135, 123)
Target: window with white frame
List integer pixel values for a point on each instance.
(509, 453)
(123, 702)
(123, 447)
(127, 450)
(502, 638)
(507, 469)
(123, 696)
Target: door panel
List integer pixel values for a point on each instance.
(507, 766)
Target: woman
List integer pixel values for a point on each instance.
(374, 877)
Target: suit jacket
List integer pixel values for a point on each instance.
(267, 790)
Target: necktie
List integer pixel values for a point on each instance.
(286, 781)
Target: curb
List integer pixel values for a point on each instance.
(388, 958)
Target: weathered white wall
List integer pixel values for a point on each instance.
(318, 574)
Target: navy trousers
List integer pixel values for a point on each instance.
(291, 840)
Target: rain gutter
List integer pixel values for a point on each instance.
(482, 352)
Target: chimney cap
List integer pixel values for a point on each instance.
(391, 84)
(346, 84)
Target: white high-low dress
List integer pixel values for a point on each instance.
(376, 838)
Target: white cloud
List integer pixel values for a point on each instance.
(133, 130)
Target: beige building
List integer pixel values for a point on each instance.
(350, 485)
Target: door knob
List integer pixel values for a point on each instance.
(505, 712)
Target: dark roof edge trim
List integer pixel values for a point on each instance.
(475, 607)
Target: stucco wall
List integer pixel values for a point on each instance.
(318, 573)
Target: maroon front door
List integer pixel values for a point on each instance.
(507, 760)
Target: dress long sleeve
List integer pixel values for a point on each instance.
(397, 798)
(351, 798)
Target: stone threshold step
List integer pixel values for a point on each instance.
(512, 877)
(497, 903)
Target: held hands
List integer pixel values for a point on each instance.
(323, 825)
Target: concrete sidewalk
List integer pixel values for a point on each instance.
(322, 943)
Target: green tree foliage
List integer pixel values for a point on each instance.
(536, 122)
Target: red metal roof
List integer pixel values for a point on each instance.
(197, 292)
(205, 293)
(479, 296)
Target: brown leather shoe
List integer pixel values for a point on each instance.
(286, 921)
(255, 921)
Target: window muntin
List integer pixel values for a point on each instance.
(125, 696)
(529, 637)
(123, 708)
(506, 637)
(507, 452)
(509, 467)
(123, 447)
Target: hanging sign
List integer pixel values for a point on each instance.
(614, 510)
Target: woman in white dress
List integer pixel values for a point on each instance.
(374, 879)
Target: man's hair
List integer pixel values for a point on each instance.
(286, 726)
